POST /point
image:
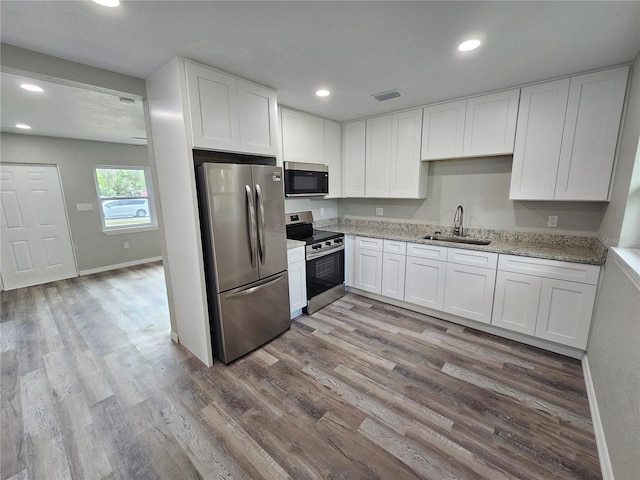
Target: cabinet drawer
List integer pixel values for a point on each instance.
(432, 252)
(392, 246)
(472, 257)
(295, 255)
(574, 272)
(366, 243)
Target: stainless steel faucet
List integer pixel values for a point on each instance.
(458, 229)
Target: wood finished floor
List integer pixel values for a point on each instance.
(93, 388)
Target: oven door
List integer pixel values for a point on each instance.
(305, 179)
(325, 272)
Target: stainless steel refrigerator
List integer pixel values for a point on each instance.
(244, 238)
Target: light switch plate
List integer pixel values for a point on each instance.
(84, 207)
(379, 211)
(553, 221)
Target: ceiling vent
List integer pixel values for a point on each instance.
(381, 97)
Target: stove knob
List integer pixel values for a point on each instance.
(327, 244)
(315, 247)
(338, 240)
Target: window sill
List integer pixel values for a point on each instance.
(120, 231)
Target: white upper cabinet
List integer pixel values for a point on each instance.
(567, 135)
(590, 135)
(213, 103)
(302, 137)
(333, 157)
(537, 149)
(490, 124)
(353, 159)
(408, 174)
(378, 156)
(258, 118)
(443, 130)
(230, 114)
(393, 167)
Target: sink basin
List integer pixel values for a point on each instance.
(467, 240)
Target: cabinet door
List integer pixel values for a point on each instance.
(469, 292)
(333, 157)
(213, 106)
(425, 282)
(297, 286)
(294, 145)
(353, 159)
(490, 124)
(536, 153)
(443, 130)
(393, 272)
(408, 177)
(515, 304)
(258, 118)
(378, 157)
(590, 135)
(564, 314)
(368, 274)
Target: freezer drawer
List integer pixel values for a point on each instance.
(248, 317)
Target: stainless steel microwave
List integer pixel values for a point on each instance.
(305, 179)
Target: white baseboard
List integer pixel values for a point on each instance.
(174, 337)
(603, 451)
(107, 268)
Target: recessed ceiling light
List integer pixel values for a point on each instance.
(108, 3)
(32, 88)
(23, 126)
(323, 93)
(469, 45)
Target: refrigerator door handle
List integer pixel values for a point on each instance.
(261, 233)
(252, 225)
(251, 290)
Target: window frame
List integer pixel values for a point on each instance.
(116, 230)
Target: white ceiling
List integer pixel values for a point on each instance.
(70, 112)
(355, 49)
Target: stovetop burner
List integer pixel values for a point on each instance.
(319, 236)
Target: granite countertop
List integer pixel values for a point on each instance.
(294, 243)
(567, 248)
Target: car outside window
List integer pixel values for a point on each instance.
(125, 198)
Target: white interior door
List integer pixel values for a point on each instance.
(36, 243)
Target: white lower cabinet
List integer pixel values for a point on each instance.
(425, 282)
(469, 291)
(515, 305)
(393, 269)
(546, 299)
(543, 301)
(425, 275)
(564, 314)
(296, 266)
(368, 264)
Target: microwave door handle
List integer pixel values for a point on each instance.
(262, 244)
(251, 213)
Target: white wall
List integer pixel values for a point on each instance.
(624, 207)
(75, 160)
(320, 208)
(481, 186)
(614, 361)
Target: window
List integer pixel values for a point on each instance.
(126, 200)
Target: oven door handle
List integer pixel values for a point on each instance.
(313, 256)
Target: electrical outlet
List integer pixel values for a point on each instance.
(126, 244)
(322, 212)
(553, 221)
(379, 211)
(84, 207)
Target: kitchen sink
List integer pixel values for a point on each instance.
(467, 240)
